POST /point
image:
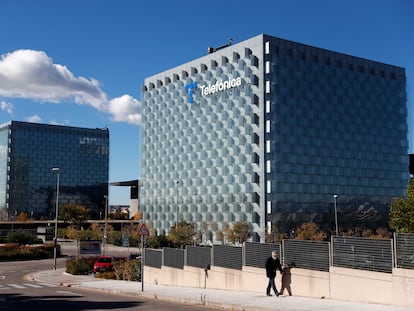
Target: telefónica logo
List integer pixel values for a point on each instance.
(189, 88)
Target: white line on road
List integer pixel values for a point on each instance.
(32, 285)
(16, 286)
(47, 284)
(68, 293)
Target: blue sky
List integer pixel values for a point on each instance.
(83, 62)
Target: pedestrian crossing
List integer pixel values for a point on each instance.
(25, 285)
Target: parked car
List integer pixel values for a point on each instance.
(103, 263)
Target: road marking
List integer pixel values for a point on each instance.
(16, 286)
(68, 293)
(2, 277)
(32, 285)
(47, 284)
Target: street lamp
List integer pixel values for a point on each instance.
(106, 220)
(57, 170)
(336, 214)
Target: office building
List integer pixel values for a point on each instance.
(29, 152)
(270, 132)
(133, 207)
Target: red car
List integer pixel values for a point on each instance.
(103, 263)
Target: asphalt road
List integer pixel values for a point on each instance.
(19, 294)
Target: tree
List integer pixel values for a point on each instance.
(182, 234)
(275, 236)
(402, 211)
(310, 231)
(157, 241)
(22, 217)
(137, 216)
(74, 214)
(240, 232)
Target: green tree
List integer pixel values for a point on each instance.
(182, 234)
(240, 232)
(402, 211)
(157, 241)
(74, 214)
(89, 234)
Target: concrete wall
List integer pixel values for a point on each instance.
(403, 287)
(340, 283)
(361, 285)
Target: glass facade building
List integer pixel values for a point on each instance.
(29, 151)
(267, 131)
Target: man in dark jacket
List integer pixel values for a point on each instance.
(272, 264)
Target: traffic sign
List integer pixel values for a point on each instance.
(143, 230)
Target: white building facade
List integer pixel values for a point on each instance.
(266, 131)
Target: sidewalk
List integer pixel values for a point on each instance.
(227, 300)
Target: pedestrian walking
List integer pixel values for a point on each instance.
(272, 264)
(286, 280)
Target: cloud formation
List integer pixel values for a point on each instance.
(32, 75)
(8, 107)
(34, 119)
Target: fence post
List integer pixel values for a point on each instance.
(243, 255)
(331, 252)
(185, 254)
(394, 250)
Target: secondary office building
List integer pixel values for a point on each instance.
(29, 151)
(274, 133)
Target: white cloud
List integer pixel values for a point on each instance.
(125, 109)
(34, 119)
(54, 122)
(8, 107)
(32, 75)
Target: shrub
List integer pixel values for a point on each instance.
(14, 251)
(124, 269)
(80, 266)
(22, 238)
(108, 275)
(128, 270)
(115, 238)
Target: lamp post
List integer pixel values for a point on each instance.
(57, 170)
(336, 215)
(106, 221)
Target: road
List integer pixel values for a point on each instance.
(19, 294)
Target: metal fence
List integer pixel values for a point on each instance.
(256, 254)
(404, 255)
(174, 257)
(227, 256)
(362, 253)
(199, 257)
(349, 252)
(153, 257)
(313, 255)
